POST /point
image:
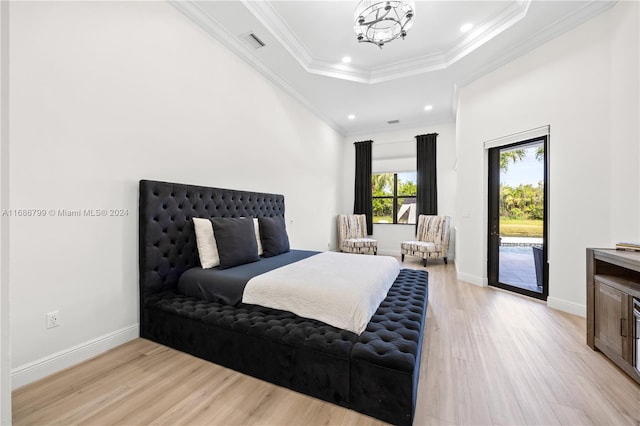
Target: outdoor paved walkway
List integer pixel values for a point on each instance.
(517, 267)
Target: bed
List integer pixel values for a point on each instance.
(375, 373)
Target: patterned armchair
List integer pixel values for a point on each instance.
(352, 235)
(432, 239)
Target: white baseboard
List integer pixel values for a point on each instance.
(472, 279)
(566, 306)
(53, 363)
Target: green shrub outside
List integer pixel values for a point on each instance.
(520, 228)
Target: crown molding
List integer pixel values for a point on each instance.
(195, 13)
(548, 33)
(508, 17)
(282, 33)
(488, 30)
(511, 15)
(545, 35)
(273, 22)
(264, 12)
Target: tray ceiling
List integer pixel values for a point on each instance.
(305, 41)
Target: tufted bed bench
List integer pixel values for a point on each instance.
(375, 373)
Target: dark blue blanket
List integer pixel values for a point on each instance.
(227, 285)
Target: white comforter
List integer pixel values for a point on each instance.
(340, 289)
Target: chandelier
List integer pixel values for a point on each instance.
(380, 22)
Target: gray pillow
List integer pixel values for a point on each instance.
(236, 241)
(273, 234)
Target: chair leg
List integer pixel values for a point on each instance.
(445, 260)
(402, 257)
(424, 262)
(375, 253)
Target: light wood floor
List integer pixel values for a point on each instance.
(490, 357)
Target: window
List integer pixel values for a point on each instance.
(394, 197)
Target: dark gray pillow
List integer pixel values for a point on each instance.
(236, 241)
(273, 234)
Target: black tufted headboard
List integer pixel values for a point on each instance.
(167, 240)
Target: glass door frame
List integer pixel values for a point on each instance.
(493, 220)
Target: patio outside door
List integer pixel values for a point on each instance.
(517, 256)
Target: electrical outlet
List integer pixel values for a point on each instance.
(52, 319)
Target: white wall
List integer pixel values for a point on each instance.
(398, 148)
(5, 336)
(104, 94)
(584, 84)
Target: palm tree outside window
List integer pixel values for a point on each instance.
(394, 197)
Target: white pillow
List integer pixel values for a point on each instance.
(206, 242)
(257, 228)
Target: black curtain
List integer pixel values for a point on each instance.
(427, 191)
(363, 201)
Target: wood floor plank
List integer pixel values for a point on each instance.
(31, 399)
(504, 409)
(571, 416)
(489, 357)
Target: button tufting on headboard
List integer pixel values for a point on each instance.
(167, 241)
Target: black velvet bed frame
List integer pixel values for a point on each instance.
(375, 373)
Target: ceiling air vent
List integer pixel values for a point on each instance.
(393, 121)
(253, 40)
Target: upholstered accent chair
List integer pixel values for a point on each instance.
(352, 235)
(432, 239)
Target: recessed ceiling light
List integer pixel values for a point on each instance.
(428, 107)
(466, 27)
(346, 59)
(351, 117)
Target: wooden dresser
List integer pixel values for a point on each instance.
(613, 281)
